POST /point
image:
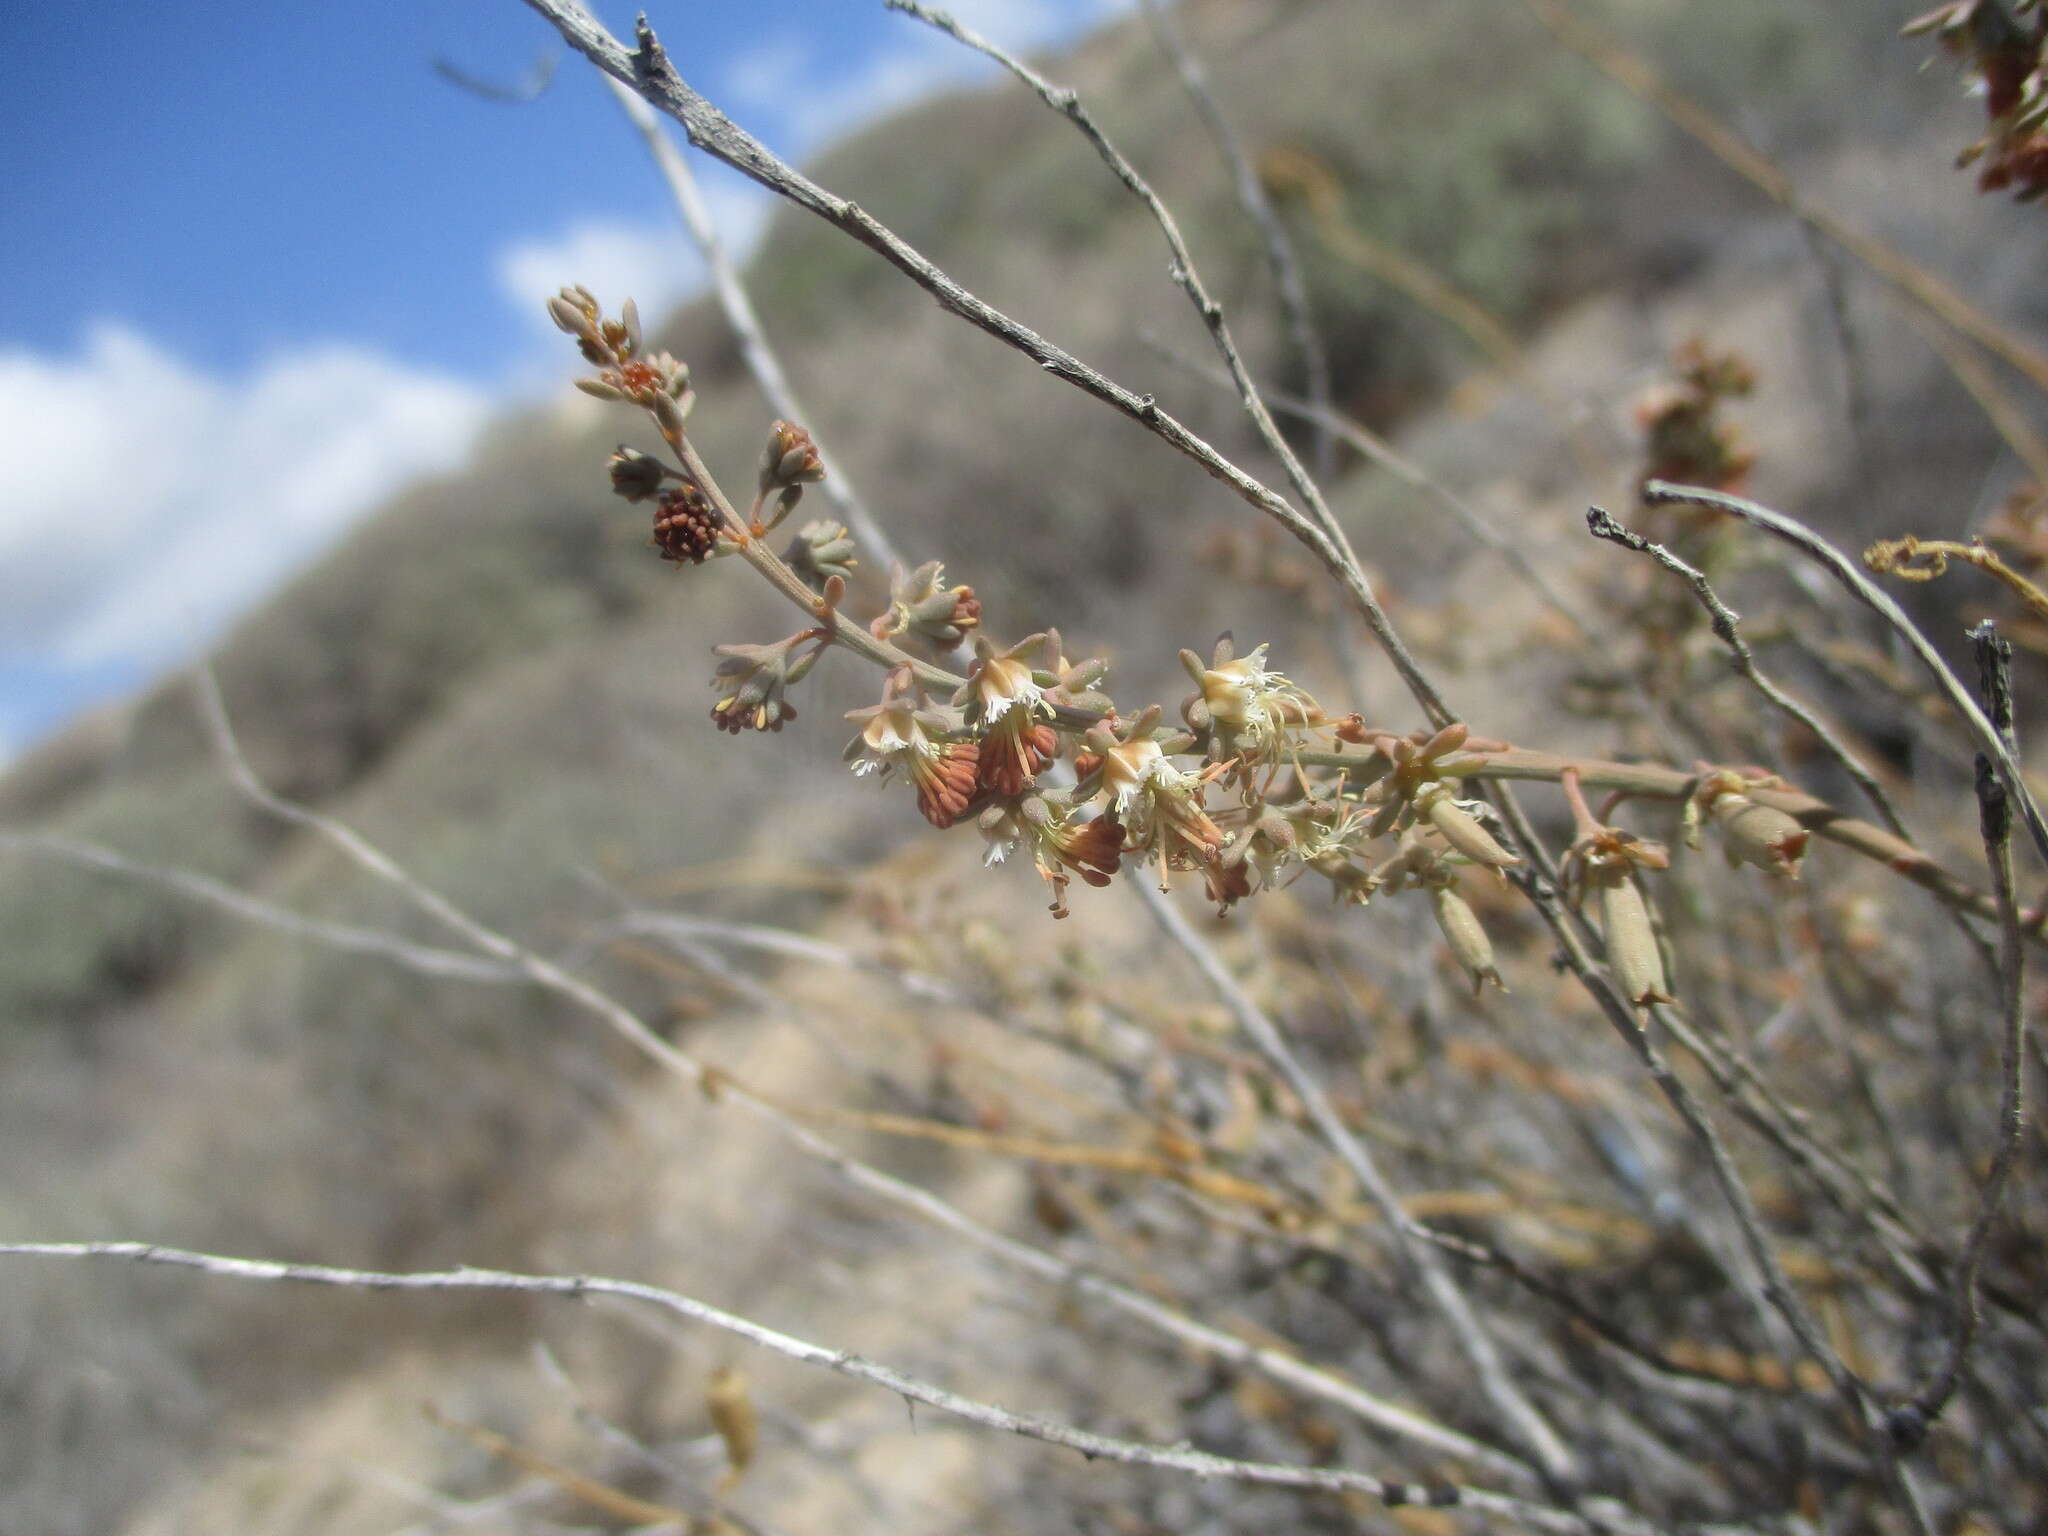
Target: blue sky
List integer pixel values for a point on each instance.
(262, 264)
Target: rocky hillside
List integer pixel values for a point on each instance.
(495, 679)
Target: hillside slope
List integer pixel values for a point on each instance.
(495, 678)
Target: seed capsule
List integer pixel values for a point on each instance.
(1632, 952)
(1759, 834)
(1468, 940)
(1461, 829)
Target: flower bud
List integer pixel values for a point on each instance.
(671, 409)
(821, 550)
(752, 680)
(790, 458)
(636, 476)
(575, 312)
(919, 602)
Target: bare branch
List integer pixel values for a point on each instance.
(1529, 1425)
(740, 314)
(1867, 592)
(194, 886)
(1281, 259)
(531, 89)
(1724, 621)
(1273, 1363)
(1994, 660)
(648, 71)
(1179, 1458)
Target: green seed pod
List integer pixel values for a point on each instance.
(1468, 941)
(1759, 834)
(1461, 829)
(1632, 951)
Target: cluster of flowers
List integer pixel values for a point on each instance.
(2004, 48)
(1685, 438)
(1256, 787)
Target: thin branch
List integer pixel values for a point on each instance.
(1724, 621)
(1528, 1423)
(1057, 1272)
(1095, 1447)
(599, 1495)
(1317, 185)
(531, 89)
(1994, 660)
(444, 963)
(1067, 102)
(1281, 259)
(648, 71)
(1778, 1290)
(1844, 570)
(1656, 781)
(755, 348)
(1371, 446)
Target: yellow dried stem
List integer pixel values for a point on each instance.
(600, 1496)
(732, 1415)
(1916, 559)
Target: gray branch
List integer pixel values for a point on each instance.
(194, 886)
(1179, 1458)
(1529, 1424)
(745, 321)
(649, 73)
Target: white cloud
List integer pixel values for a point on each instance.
(144, 501)
(650, 263)
(812, 100)
(653, 263)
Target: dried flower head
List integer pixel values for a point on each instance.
(1457, 822)
(1633, 951)
(897, 734)
(1003, 699)
(1243, 708)
(732, 1413)
(1159, 803)
(2004, 48)
(686, 525)
(1062, 845)
(1685, 438)
(1465, 935)
(1410, 779)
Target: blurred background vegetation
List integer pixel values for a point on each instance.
(494, 678)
